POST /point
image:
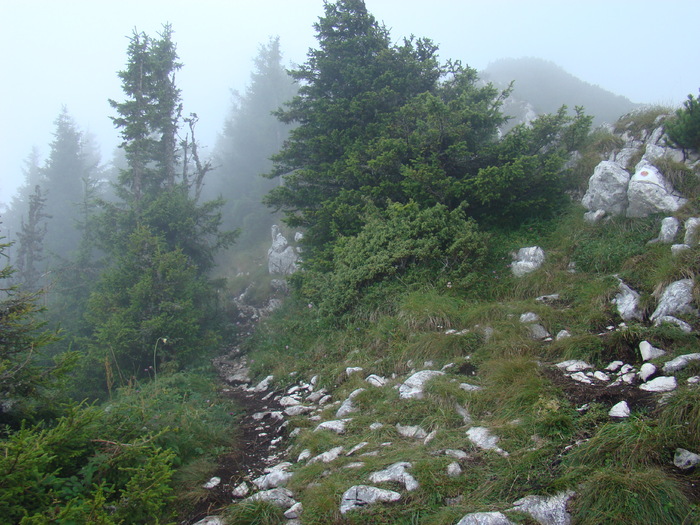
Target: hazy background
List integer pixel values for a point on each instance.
(56, 52)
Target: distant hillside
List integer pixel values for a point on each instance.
(545, 86)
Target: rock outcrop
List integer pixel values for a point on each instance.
(282, 258)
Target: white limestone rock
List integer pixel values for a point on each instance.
(692, 231)
(356, 448)
(594, 217)
(282, 258)
(470, 388)
(336, 425)
(297, 410)
(348, 407)
(483, 439)
(304, 455)
(241, 490)
(680, 362)
(353, 370)
(485, 518)
(669, 319)
(411, 431)
(621, 409)
(362, 495)
(607, 189)
(574, 365)
(546, 510)
(457, 454)
(527, 260)
(677, 249)
(677, 298)
(684, 459)
(627, 303)
(614, 366)
(264, 384)
(649, 352)
(601, 376)
(328, 456)
(376, 380)
(211, 520)
(376, 425)
(294, 512)
(581, 377)
(413, 387)
(646, 371)
(562, 334)
(280, 497)
(454, 470)
(289, 401)
(538, 332)
(669, 230)
(529, 317)
(649, 192)
(213, 482)
(276, 478)
(660, 384)
(396, 472)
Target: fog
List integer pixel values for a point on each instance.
(57, 53)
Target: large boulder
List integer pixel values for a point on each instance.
(282, 258)
(607, 189)
(649, 192)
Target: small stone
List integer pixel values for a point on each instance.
(454, 470)
(328, 456)
(581, 378)
(357, 447)
(396, 472)
(574, 365)
(620, 410)
(646, 371)
(279, 497)
(376, 426)
(376, 380)
(294, 512)
(354, 464)
(304, 455)
(694, 380)
(413, 387)
(353, 370)
(684, 459)
(669, 319)
(211, 520)
(612, 367)
(297, 410)
(562, 334)
(469, 388)
(411, 431)
(288, 401)
(482, 438)
(337, 426)
(457, 454)
(649, 352)
(677, 249)
(546, 510)
(660, 384)
(626, 369)
(601, 376)
(628, 378)
(213, 482)
(529, 317)
(430, 437)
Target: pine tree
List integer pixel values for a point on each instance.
(31, 242)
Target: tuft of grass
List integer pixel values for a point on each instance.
(630, 497)
(641, 122)
(255, 513)
(429, 310)
(680, 419)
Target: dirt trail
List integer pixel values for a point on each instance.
(259, 436)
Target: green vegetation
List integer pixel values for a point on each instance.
(684, 130)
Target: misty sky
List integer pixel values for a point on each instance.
(57, 52)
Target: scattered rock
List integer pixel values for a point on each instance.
(375, 380)
(684, 459)
(278, 477)
(607, 189)
(279, 497)
(529, 317)
(376, 426)
(527, 260)
(627, 303)
(289, 401)
(457, 454)
(213, 482)
(357, 447)
(363, 495)
(649, 192)
(454, 470)
(574, 365)
(348, 407)
(660, 384)
(677, 298)
(594, 217)
(413, 387)
(680, 362)
(353, 370)
(294, 512)
(620, 410)
(649, 352)
(396, 472)
(328, 456)
(482, 438)
(615, 365)
(669, 319)
(485, 518)
(669, 230)
(264, 384)
(240, 491)
(692, 231)
(411, 431)
(211, 520)
(646, 371)
(581, 378)
(677, 249)
(470, 388)
(336, 425)
(562, 334)
(304, 455)
(546, 510)
(463, 413)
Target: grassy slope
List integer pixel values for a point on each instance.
(619, 470)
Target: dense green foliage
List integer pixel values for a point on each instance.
(684, 130)
(388, 123)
